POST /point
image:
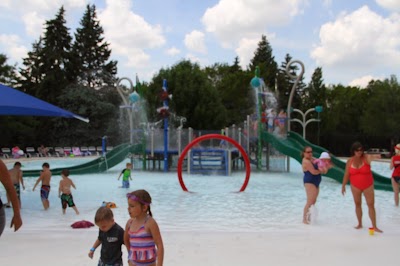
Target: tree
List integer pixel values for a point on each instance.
(235, 92)
(194, 97)
(90, 53)
(55, 57)
(88, 103)
(381, 115)
(7, 72)
(264, 59)
(31, 75)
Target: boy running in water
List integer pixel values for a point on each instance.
(45, 177)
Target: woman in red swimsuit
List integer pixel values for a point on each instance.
(358, 170)
(395, 163)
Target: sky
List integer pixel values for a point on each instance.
(353, 41)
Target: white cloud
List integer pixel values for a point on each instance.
(35, 12)
(245, 50)
(232, 20)
(393, 5)
(12, 44)
(359, 41)
(194, 41)
(173, 51)
(362, 82)
(128, 33)
(34, 23)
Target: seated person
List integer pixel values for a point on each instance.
(43, 151)
(76, 151)
(17, 152)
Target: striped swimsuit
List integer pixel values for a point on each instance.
(142, 250)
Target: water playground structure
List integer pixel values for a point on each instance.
(254, 145)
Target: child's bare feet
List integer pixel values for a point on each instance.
(378, 230)
(358, 226)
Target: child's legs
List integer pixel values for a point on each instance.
(75, 209)
(125, 184)
(2, 219)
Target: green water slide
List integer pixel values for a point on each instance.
(98, 165)
(294, 144)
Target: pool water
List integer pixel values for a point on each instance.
(36, 164)
(271, 202)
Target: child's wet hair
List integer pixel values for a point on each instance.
(103, 214)
(143, 197)
(65, 172)
(17, 164)
(46, 165)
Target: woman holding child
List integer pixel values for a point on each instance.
(313, 168)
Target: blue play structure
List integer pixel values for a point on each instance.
(209, 161)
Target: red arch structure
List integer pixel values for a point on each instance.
(214, 136)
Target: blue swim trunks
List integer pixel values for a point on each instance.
(125, 184)
(44, 192)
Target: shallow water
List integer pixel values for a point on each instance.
(272, 201)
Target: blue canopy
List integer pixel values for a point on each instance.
(15, 102)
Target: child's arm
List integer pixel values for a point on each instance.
(155, 232)
(73, 185)
(59, 189)
(21, 180)
(126, 235)
(120, 174)
(37, 181)
(95, 245)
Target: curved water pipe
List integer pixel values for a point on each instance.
(297, 80)
(124, 93)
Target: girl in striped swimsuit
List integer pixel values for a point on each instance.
(142, 236)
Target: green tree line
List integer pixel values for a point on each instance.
(76, 73)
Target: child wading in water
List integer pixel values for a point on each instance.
(126, 175)
(142, 236)
(45, 178)
(111, 238)
(64, 192)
